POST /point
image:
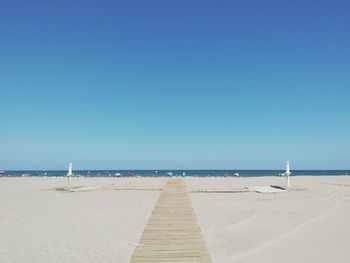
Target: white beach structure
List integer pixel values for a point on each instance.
(70, 173)
(287, 174)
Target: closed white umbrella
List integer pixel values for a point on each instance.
(287, 173)
(69, 174)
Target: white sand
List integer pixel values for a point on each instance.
(38, 224)
(296, 226)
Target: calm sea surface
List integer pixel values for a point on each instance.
(202, 173)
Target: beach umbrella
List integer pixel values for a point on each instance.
(69, 174)
(287, 173)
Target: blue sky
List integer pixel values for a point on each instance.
(175, 84)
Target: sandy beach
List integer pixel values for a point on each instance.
(103, 221)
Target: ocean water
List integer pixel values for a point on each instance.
(199, 173)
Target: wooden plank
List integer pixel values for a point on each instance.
(172, 233)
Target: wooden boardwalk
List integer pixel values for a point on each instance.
(172, 233)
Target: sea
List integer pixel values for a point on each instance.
(162, 173)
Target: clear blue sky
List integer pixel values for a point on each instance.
(175, 84)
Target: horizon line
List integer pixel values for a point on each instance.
(179, 169)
